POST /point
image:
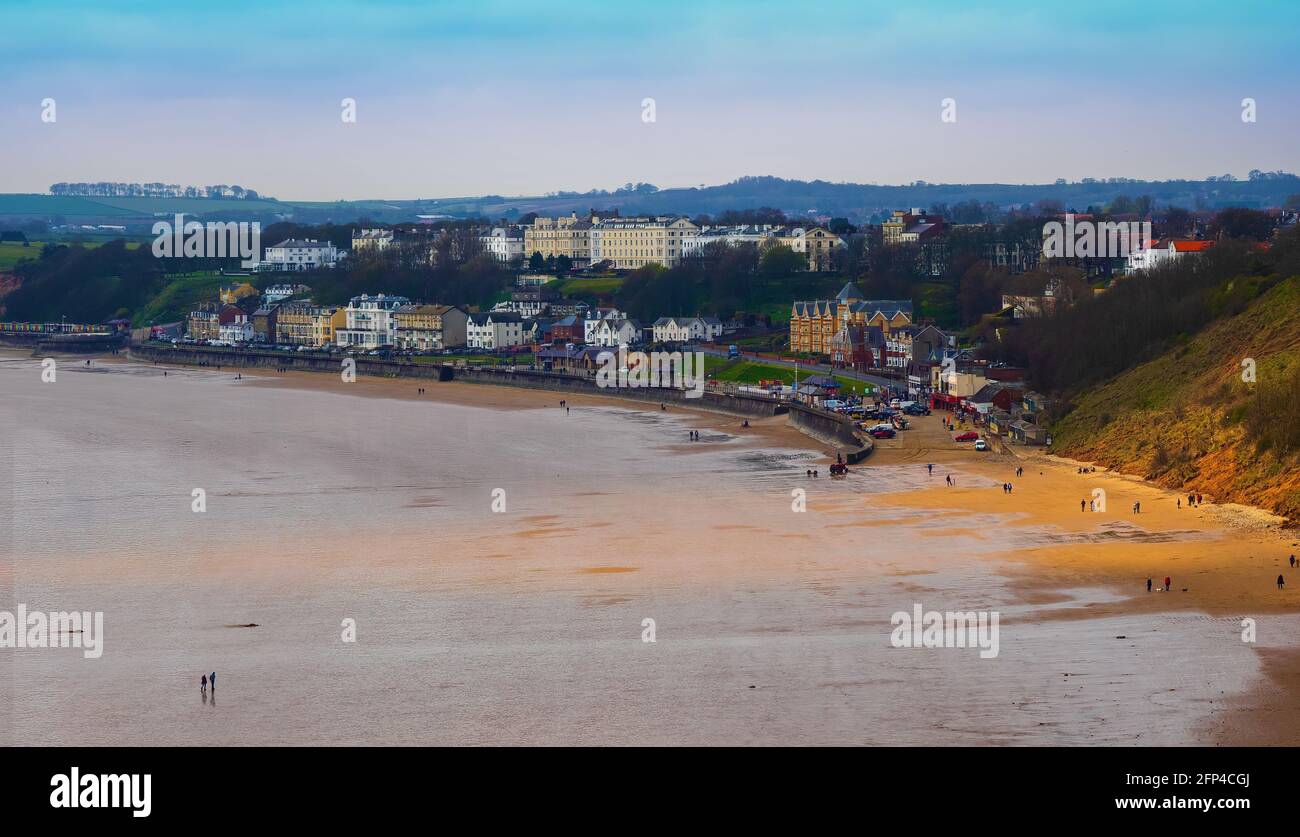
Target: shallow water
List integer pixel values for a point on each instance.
(522, 626)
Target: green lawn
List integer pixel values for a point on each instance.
(590, 287)
(750, 372)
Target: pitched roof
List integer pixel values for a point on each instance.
(849, 291)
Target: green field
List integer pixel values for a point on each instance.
(590, 287)
(751, 372)
(12, 252)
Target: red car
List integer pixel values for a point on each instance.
(882, 433)
(968, 436)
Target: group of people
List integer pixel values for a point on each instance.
(1006, 488)
(1089, 470)
(694, 435)
(208, 679)
(1281, 582)
(1192, 500)
(810, 472)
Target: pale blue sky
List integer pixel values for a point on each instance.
(526, 97)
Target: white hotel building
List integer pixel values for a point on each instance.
(299, 254)
(505, 244)
(370, 322)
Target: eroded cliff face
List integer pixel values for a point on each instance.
(1214, 415)
(8, 284)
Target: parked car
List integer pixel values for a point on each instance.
(883, 432)
(968, 436)
(980, 444)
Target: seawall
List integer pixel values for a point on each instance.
(62, 343)
(833, 429)
(750, 406)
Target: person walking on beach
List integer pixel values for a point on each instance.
(931, 470)
(1137, 508)
(1168, 581)
(1083, 504)
(1281, 582)
(1293, 562)
(203, 684)
(1148, 585)
(212, 678)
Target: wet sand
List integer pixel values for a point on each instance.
(526, 626)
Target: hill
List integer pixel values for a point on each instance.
(1188, 420)
(797, 198)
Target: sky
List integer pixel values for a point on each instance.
(524, 98)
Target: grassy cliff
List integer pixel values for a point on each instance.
(1188, 420)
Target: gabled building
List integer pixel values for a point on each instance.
(494, 330)
(814, 324)
(593, 318)
(616, 332)
(686, 329)
(818, 245)
(372, 241)
(858, 347)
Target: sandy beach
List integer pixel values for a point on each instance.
(373, 502)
